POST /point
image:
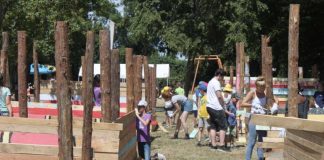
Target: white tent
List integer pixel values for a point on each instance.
(162, 70)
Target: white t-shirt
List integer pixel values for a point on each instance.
(178, 99)
(212, 100)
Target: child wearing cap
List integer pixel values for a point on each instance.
(143, 121)
(202, 112)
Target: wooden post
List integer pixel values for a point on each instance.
(240, 68)
(242, 63)
(22, 69)
(4, 59)
(293, 55)
(152, 72)
(268, 77)
(83, 79)
(300, 73)
(115, 85)
(264, 44)
(314, 71)
(231, 76)
(137, 78)
(36, 75)
(147, 82)
(195, 76)
(88, 105)
(129, 79)
(105, 77)
(63, 94)
(247, 74)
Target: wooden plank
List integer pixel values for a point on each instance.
(300, 152)
(287, 156)
(130, 79)
(147, 82)
(63, 76)
(273, 134)
(88, 100)
(105, 156)
(277, 145)
(268, 77)
(273, 140)
(138, 59)
(53, 123)
(311, 140)
(22, 73)
(290, 122)
(6, 156)
(36, 75)
(101, 143)
(105, 77)
(115, 85)
(293, 54)
(33, 149)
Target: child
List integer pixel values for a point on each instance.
(143, 121)
(231, 119)
(202, 112)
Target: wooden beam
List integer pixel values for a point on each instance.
(115, 85)
(274, 145)
(63, 76)
(36, 75)
(247, 74)
(195, 76)
(264, 44)
(5, 60)
(293, 55)
(268, 77)
(88, 105)
(290, 122)
(138, 59)
(22, 73)
(105, 75)
(129, 79)
(83, 79)
(242, 63)
(147, 82)
(273, 140)
(153, 91)
(232, 75)
(240, 68)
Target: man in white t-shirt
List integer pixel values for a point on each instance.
(216, 111)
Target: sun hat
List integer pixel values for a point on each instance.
(142, 103)
(227, 88)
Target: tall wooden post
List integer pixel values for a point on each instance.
(137, 78)
(22, 69)
(63, 94)
(88, 105)
(153, 91)
(115, 85)
(300, 73)
(4, 59)
(129, 79)
(240, 68)
(268, 77)
(264, 45)
(83, 79)
(147, 82)
(105, 77)
(314, 71)
(247, 74)
(293, 56)
(231, 82)
(36, 75)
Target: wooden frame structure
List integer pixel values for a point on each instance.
(204, 58)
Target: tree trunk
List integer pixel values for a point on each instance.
(115, 85)
(63, 93)
(36, 75)
(293, 54)
(105, 75)
(22, 76)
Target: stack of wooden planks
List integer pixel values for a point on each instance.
(304, 138)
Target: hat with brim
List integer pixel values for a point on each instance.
(228, 88)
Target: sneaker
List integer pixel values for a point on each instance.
(223, 149)
(199, 144)
(213, 147)
(175, 136)
(187, 136)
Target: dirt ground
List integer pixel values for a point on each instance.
(182, 149)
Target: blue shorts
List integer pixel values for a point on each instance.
(187, 106)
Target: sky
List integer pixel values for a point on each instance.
(120, 6)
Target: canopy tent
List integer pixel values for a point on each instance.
(162, 70)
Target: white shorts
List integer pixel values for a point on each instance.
(170, 113)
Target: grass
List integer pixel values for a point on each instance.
(182, 149)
